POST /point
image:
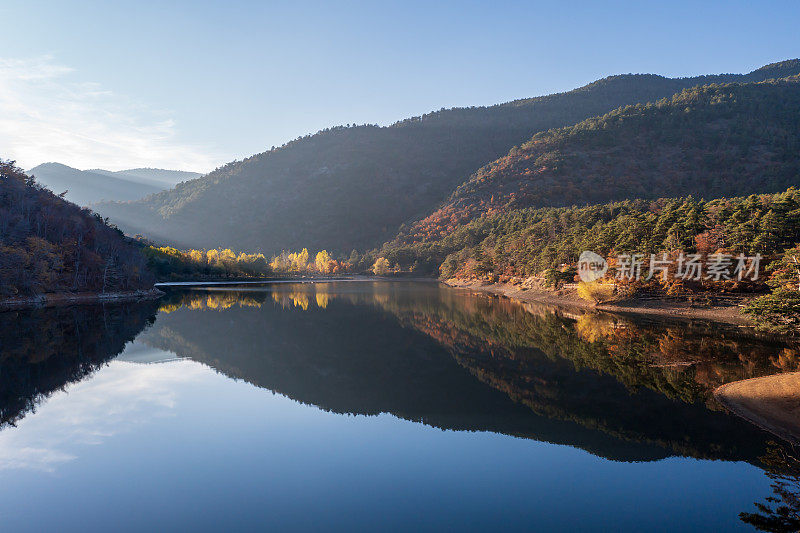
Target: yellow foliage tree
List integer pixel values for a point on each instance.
(299, 260)
(280, 263)
(197, 256)
(596, 291)
(381, 266)
(212, 256)
(323, 261)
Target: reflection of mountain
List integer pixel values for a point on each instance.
(43, 350)
(331, 348)
(607, 373)
(142, 354)
(682, 361)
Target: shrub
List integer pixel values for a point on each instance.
(777, 312)
(596, 291)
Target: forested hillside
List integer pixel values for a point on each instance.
(710, 141)
(527, 242)
(49, 245)
(545, 244)
(353, 187)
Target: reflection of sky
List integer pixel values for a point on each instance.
(176, 446)
(138, 352)
(118, 399)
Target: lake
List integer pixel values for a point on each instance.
(377, 406)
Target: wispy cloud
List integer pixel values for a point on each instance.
(45, 115)
(122, 397)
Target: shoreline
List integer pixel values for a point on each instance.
(64, 299)
(769, 402)
(663, 308)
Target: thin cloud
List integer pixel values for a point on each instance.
(47, 116)
(121, 398)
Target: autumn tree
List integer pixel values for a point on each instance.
(299, 260)
(169, 263)
(281, 262)
(381, 266)
(322, 262)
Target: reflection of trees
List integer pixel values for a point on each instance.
(287, 295)
(685, 361)
(612, 402)
(605, 378)
(591, 327)
(781, 511)
(352, 358)
(291, 299)
(42, 350)
(681, 361)
(523, 349)
(215, 300)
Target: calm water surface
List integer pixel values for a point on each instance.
(378, 406)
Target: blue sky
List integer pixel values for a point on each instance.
(193, 85)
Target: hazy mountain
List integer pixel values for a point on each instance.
(353, 187)
(165, 179)
(86, 187)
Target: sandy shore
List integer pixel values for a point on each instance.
(50, 300)
(727, 313)
(771, 402)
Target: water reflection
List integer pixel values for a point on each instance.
(621, 389)
(779, 512)
(43, 350)
(116, 401)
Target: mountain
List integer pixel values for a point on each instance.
(49, 245)
(711, 141)
(164, 179)
(85, 187)
(354, 187)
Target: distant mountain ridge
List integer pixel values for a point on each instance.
(86, 187)
(350, 188)
(157, 176)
